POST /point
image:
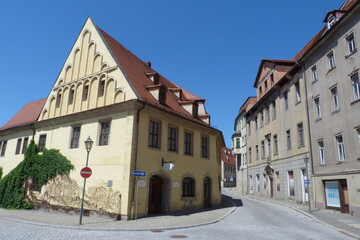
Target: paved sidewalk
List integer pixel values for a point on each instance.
(159, 222)
(344, 223)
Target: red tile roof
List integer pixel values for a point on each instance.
(27, 115)
(249, 101)
(137, 72)
(275, 61)
(227, 157)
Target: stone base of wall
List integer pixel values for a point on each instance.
(355, 211)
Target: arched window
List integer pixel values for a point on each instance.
(188, 187)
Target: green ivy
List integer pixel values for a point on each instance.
(1, 172)
(40, 168)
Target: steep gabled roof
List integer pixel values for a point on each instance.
(227, 157)
(275, 61)
(137, 73)
(27, 115)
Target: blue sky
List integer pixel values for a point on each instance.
(211, 48)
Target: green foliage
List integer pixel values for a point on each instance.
(1, 172)
(39, 168)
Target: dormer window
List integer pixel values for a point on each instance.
(159, 93)
(154, 77)
(331, 21)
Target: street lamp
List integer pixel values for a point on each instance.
(306, 161)
(88, 145)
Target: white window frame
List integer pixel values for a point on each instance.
(297, 92)
(331, 60)
(321, 151)
(317, 108)
(340, 147)
(335, 98)
(350, 40)
(314, 73)
(355, 82)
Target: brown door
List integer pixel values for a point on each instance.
(344, 196)
(155, 194)
(207, 192)
(271, 187)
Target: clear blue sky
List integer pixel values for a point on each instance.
(211, 48)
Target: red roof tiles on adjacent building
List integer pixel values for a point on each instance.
(227, 157)
(27, 115)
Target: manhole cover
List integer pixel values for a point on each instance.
(157, 230)
(178, 236)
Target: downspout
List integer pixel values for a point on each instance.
(136, 155)
(302, 65)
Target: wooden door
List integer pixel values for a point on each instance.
(207, 192)
(155, 194)
(271, 187)
(344, 196)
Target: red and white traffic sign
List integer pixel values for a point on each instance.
(85, 172)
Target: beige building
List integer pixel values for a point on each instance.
(277, 133)
(137, 119)
(331, 63)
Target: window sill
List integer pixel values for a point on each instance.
(314, 81)
(349, 55)
(154, 148)
(297, 102)
(322, 165)
(355, 101)
(330, 70)
(318, 119)
(188, 198)
(335, 111)
(341, 162)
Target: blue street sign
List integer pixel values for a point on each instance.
(307, 181)
(139, 173)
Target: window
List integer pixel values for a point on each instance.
(104, 133)
(250, 156)
(257, 152)
(261, 119)
(3, 148)
(237, 143)
(331, 22)
(262, 149)
(42, 142)
(188, 140)
(260, 93)
(286, 101)
(275, 145)
(172, 139)
(272, 79)
(300, 135)
(274, 110)
(86, 92)
(288, 140)
(18, 146)
(71, 96)
(265, 180)
(249, 128)
(321, 151)
(317, 108)
(251, 184)
(204, 147)
(291, 183)
(351, 43)
(335, 98)
(268, 142)
(358, 134)
(340, 147)
(257, 182)
(102, 88)
(75, 136)
(58, 100)
(277, 178)
(356, 86)
(266, 87)
(256, 123)
(154, 134)
(188, 187)
(25, 143)
(267, 110)
(314, 74)
(331, 60)
(297, 92)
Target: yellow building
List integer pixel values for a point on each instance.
(137, 119)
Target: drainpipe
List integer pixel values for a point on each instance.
(33, 128)
(302, 65)
(136, 153)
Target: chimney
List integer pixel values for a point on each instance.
(148, 63)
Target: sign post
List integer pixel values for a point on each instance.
(137, 174)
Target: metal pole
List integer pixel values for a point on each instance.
(137, 198)
(307, 175)
(83, 192)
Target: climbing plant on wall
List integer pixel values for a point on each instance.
(37, 169)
